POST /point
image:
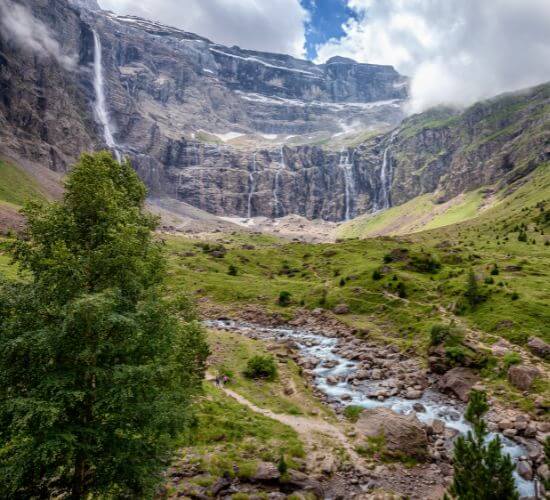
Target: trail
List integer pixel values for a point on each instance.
(304, 426)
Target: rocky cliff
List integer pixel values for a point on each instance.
(244, 133)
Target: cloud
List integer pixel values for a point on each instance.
(31, 33)
(273, 25)
(456, 51)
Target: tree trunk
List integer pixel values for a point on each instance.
(77, 490)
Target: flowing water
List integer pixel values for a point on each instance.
(313, 344)
(100, 105)
(276, 185)
(349, 183)
(384, 199)
(251, 186)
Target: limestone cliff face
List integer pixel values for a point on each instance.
(215, 126)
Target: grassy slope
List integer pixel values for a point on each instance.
(419, 214)
(16, 186)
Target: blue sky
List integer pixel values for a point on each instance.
(326, 19)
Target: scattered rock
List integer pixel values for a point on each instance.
(539, 347)
(522, 376)
(458, 382)
(544, 472)
(413, 393)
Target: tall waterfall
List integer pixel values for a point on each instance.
(251, 185)
(386, 174)
(349, 182)
(100, 106)
(276, 186)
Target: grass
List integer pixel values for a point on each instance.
(419, 214)
(231, 353)
(16, 186)
(228, 438)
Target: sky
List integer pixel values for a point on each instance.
(455, 51)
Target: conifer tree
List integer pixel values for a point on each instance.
(97, 368)
(481, 470)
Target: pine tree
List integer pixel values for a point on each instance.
(97, 369)
(481, 471)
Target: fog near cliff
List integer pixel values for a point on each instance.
(456, 51)
(30, 33)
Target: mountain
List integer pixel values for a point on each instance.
(243, 133)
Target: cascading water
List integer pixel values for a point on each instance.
(251, 186)
(276, 185)
(349, 183)
(312, 344)
(100, 106)
(384, 199)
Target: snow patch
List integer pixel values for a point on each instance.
(266, 64)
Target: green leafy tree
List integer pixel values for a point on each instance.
(97, 369)
(481, 470)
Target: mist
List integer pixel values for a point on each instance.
(31, 34)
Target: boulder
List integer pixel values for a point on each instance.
(539, 347)
(265, 472)
(341, 309)
(525, 470)
(458, 382)
(544, 472)
(404, 434)
(413, 393)
(522, 376)
(304, 482)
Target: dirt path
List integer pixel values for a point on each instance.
(306, 427)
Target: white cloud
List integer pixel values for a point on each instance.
(31, 33)
(268, 25)
(456, 51)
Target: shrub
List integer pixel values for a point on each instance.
(401, 290)
(342, 282)
(472, 293)
(352, 412)
(514, 296)
(261, 367)
(376, 275)
(495, 271)
(439, 334)
(509, 359)
(282, 466)
(232, 271)
(489, 280)
(424, 263)
(284, 298)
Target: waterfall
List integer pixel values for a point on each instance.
(100, 106)
(276, 186)
(386, 177)
(251, 186)
(349, 183)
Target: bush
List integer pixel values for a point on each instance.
(352, 412)
(495, 271)
(522, 236)
(489, 280)
(376, 275)
(514, 296)
(232, 271)
(424, 263)
(282, 466)
(401, 290)
(284, 298)
(261, 367)
(509, 359)
(439, 333)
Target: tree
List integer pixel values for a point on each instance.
(472, 293)
(97, 368)
(481, 471)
